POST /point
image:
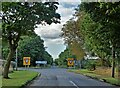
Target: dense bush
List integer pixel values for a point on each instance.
(90, 64)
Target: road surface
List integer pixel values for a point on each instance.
(60, 78)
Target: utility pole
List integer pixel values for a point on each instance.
(16, 60)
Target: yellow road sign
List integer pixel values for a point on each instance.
(26, 60)
(70, 61)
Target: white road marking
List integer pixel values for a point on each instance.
(73, 84)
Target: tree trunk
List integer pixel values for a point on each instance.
(113, 61)
(102, 62)
(118, 71)
(7, 64)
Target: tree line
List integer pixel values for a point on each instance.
(95, 32)
(32, 47)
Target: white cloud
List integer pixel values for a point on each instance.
(54, 41)
(50, 33)
(66, 13)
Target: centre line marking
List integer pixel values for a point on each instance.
(73, 84)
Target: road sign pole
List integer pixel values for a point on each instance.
(16, 60)
(25, 67)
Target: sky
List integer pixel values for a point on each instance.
(51, 33)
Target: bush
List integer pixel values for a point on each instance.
(90, 65)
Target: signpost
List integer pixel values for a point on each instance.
(26, 61)
(70, 62)
(41, 62)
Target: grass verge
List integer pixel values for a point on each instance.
(0, 81)
(91, 74)
(18, 79)
(63, 66)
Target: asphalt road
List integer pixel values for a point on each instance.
(59, 78)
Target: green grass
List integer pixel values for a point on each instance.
(0, 81)
(63, 66)
(18, 78)
(86, 72)
(41, 67)
(112, 80)
(83, 71)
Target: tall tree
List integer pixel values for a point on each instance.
(71, 34)
(90, 31)
(107, 15)
(20, 18)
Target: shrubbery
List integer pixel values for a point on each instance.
(90, 64)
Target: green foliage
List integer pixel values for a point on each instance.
(107, 15)
(90, 64)
(33, 47)
(90, 33)
(20, 18)
(5, 52)
(62, 60)
(30, 47)
(71, 34)
(77, 50)
(47, 57)
(0, 38)
(100, 27)
(0, 29)
(56, 61)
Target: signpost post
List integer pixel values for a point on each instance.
(26, 61)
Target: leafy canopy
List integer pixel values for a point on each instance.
(20, 18)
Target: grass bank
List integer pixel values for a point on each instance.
(0, 81)
(41, 67)
(94, 75)
(18, 79)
